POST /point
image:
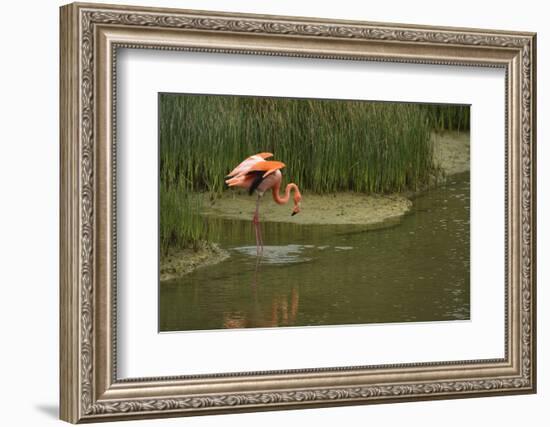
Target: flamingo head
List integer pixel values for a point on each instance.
(297, 200)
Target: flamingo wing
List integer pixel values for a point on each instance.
(246, 164)
(252, 171)
(267, 166)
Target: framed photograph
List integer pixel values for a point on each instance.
(267, 212)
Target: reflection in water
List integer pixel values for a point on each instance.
(416, 270)
(284, 309)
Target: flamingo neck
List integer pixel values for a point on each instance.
(284, 199)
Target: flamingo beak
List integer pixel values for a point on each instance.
(296, 209)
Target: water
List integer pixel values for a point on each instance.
(415, 270)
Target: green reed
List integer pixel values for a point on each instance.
(448, 117)
(327, 146)
(181, 225)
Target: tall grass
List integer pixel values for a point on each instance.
(327, 146)
(448, 117)
(181, 226)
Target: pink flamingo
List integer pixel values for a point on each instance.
(259, 175)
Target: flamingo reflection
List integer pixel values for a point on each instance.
(283, 312)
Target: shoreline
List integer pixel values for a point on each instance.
(178, 263)
(451, 151)
(317, 209)
(451, 156)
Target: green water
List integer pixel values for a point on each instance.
(415, 270)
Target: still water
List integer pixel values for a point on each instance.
(415, 270)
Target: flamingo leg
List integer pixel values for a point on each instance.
(255, 278)
(260, 238)
(259, 244)
(257, 229)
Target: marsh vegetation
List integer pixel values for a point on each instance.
(328, 146)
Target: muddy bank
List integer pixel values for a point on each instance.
(452, 151)
(340, 208)
(178, 263)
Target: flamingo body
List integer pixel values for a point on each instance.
(269, 182)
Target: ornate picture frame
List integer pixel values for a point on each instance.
(90, 37)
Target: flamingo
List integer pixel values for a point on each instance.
(256, 174)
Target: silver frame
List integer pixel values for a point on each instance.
(90, 36)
